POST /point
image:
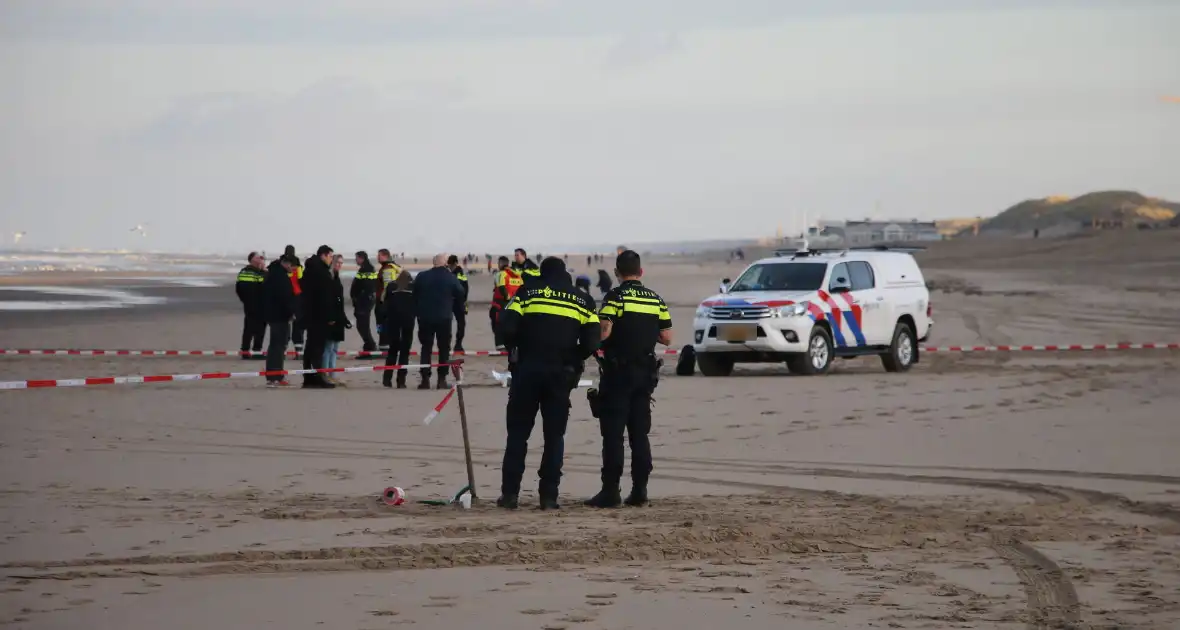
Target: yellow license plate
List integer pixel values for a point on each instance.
(738, 332)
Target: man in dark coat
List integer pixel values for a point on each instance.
(436, 292)
(318, 313)
(278, 306)
(364, 296)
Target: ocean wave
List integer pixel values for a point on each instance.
(103, 299)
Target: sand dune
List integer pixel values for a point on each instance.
(984, 491)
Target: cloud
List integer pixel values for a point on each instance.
(335, 110)
(368, 21)
(641, 48)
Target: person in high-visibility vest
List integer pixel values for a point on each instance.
(523, 265)
(249, 290)
(297, 326)
(460, 309)
(386, 277)
(363, 292)
(505, 285)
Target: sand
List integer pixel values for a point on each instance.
(986, 491)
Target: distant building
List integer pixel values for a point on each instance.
(870, 232)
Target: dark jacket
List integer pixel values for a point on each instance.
(249, 289)
(336, 330)
(400, 308)
(529, 272)
(436, 291)
(604, 281)
(461, 307)
(363, 290)
(278, 294)
(319, 294)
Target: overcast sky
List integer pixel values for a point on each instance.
(483, 124)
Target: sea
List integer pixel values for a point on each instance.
(124, 290)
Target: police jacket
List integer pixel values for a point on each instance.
(278, 295)
(461, 276)
(551, 322)
(638, 315)
(249, 289)
(436, 292)
(529, 272)
(318, 293)
(386, 276)
(363, 289)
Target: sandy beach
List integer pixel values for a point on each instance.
(992, 490)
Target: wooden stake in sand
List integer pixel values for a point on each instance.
(457, 372)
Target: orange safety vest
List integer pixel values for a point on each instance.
(296, 276)
(506, 286)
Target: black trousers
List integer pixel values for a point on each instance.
(276, 351)
(536, 387)
(298, 327)
(253, 331)
(625, 395)
(429, 333)
(399, 352)
(492, 313)
(313, 352)
(460, 325)
(364, 327)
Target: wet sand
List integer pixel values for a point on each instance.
(983, 491)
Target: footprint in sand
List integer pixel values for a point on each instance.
(601, 599)
(440, 601)
(537, 611)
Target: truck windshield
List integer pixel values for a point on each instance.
(782, 277)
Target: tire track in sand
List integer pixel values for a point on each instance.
(1052, 600)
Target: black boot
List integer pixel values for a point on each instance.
(442, 383)
(425, 384)
(508, 501)
(606, 498)
(548, 500)
(638, 496)
(401, 379)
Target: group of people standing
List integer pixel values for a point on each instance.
(306, 299)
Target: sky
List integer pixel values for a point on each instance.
(482, 125)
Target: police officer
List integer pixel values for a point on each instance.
(634, 319)
(249, 290)
(387, 273)
(460, 309)
(523, 265)
(551, 329)
(364, 295)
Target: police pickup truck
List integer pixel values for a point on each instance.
(807, 307)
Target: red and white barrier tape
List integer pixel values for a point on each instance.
(439, 407)
(207, 353)
(204, 376)
(495, 353)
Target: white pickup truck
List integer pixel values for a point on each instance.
(807, 307)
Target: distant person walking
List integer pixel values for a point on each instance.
(400, 313)
(436, 291)
(279, 304)
(249, 290)
(319, 314)
(340, 322)
(460, 306)
(604, 282)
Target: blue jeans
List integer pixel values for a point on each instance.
(330, 351)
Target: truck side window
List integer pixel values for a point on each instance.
(862, 275)
(840, 280)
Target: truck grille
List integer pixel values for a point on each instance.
(732, 313)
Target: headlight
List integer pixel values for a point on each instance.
(793, 310)
(703, 311)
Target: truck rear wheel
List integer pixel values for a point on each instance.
(714, 364)
(902, 351)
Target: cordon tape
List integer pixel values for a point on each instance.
(204, 376)
(496, 353)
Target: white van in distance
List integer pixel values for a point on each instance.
(807, 307)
